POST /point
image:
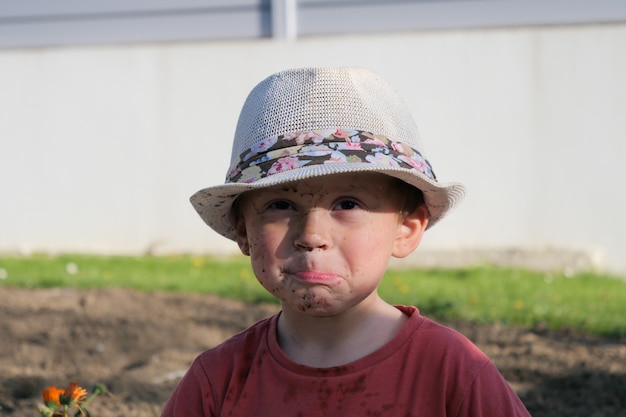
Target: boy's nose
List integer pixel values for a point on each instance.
(312, 231)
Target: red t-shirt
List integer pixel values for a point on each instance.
(426, 370)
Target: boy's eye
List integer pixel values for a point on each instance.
(280, 205)
(347, 205)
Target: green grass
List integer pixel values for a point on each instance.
(591, 303)
(229, 276)
(586, 302)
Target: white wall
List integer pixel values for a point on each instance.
(100, 147)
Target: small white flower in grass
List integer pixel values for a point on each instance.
(71, 268)
(3, 273)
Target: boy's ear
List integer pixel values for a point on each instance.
(242, 235)
(410, 232)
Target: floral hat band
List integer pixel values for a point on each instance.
(317, 147)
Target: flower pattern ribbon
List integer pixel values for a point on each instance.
(294, 150)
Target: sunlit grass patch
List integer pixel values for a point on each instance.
(586, 302)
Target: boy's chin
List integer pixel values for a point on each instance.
(313, 308)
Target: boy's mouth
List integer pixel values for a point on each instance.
(316, 277)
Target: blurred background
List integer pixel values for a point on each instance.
(113, 113)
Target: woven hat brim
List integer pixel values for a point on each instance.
(214, 204)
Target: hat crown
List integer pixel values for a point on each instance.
(307, 99)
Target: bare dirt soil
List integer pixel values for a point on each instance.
(138, 344)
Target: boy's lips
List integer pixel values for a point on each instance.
(316, 276)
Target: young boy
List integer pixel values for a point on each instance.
(327, 182)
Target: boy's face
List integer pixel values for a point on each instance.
(322, 245)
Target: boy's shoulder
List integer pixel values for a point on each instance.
(241, 345)
(440, 343)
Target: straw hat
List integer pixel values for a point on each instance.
(309, 122)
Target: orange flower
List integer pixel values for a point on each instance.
(51, 395)
(54, 396)
(73, 399)
(73, 394)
